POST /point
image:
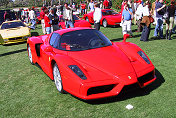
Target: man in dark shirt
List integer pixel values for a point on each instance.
(160, 10)
(54, 20)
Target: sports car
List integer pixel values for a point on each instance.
(13, 32)
(109, 18)
(78, 22)
(86, 64)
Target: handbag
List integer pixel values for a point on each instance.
(151, 19)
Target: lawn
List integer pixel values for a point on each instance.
(26, 91)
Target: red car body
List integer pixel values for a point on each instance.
(109, 16)
(107, 69)
(78, 22)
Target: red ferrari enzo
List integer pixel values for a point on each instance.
(86, 64)
(109, 17)
(78, 22)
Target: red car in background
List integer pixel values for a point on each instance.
(109, 18)
(86, 64)
(78, 22)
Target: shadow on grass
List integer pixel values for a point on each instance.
(124, 95)
(34, 34)
(13, 52)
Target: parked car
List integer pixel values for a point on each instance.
(77, 22)
(86, 64)
(13, 32)
(109, 18)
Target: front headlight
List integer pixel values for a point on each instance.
(144, 56)
(77, 71)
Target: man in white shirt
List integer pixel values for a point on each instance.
(139, 17)
(97, 17)
(32, 18)
(68, 16)
(91, 6)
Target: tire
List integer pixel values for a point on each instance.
(87, 19)
(30, 55)
(57, 79)
(105, 23)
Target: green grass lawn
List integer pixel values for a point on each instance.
(26, 91)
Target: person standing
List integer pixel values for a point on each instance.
(139, 17)
(170, 20)
(105, 4)
(145, 22)
(153, 11)
(32, 18)
(47, 22)
(68, 16)
(54, 20)
(42, 15)
(83, 8)
(160, 10)
(97, 15)
(6, 16)
(126, 18)
(91, 6)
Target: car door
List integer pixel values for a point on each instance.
(48, 50)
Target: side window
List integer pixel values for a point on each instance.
(54, 40)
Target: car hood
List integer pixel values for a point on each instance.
(15, 32)
(110, 60)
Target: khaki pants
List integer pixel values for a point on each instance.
(170, 23)
(43, 26)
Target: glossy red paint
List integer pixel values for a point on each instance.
(112, 19)
(108, 68)
(78, 22)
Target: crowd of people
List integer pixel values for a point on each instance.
(136, 12)
(143, 14)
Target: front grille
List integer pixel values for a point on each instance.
(145, 78)
(131, 87)
(100, 89)
(16, 38)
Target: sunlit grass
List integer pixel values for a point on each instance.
(26, 91)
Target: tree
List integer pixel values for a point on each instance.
(5, 2)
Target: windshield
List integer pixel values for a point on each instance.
(12, 25)
(109, 12)
(83, 40)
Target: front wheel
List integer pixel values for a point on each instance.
(30, 55)
(57, 78)
(105, 23)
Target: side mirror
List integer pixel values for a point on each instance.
(48, 49)
(125, 36)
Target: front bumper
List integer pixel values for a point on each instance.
(15, 40)
(108, 88)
